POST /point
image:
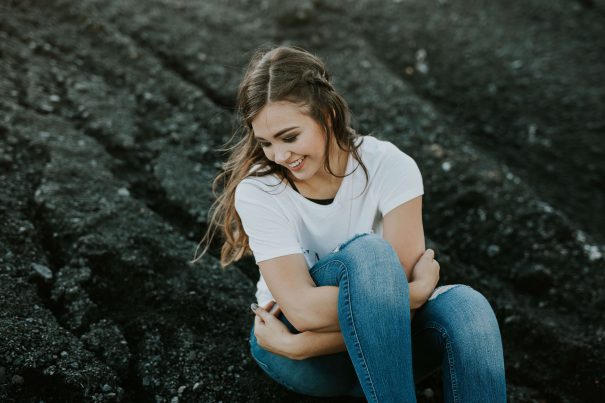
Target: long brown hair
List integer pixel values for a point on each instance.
(285, 73)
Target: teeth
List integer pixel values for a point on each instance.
(296, 163)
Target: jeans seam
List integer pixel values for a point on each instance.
(450, 356)
(350, 318)
(267, 369)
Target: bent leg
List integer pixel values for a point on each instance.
(459, 331)
(323, 376)
(373, 314)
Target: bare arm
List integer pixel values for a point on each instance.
(272, 335)
(307, 307)
(404, 230)
(313, 344)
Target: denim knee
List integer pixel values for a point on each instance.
(373, 265)
(367, 251)
(471, 319)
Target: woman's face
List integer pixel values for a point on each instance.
(291, 138)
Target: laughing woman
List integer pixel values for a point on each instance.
(346, 301)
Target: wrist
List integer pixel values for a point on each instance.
(293, 344)
(419, 292)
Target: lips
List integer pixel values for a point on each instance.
(290, 163)
(300, 164)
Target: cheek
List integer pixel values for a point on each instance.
(268, 154)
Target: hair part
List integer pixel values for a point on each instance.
(284, 73)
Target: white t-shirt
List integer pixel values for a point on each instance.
(280, 221)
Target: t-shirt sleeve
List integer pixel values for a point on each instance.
(270, 233)
(399, 179)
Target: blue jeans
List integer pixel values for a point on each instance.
(456, 331)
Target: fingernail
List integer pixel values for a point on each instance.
(254, 306)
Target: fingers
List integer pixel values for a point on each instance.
(271, 307)
(429, 254)
(276, 310)
(257, 323)
(260, 313)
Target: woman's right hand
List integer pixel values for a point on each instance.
(426, 270)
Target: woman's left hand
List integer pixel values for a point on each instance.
(271, 334)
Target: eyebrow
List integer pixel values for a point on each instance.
(279, 133)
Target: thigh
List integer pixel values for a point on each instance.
(327, 375)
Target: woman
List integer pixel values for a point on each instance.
(334, 221)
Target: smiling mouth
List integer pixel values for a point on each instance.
(297, 162)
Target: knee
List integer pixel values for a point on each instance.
(369, 251)
(373, 266)
(472, 315)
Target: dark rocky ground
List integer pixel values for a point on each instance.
(110, 115)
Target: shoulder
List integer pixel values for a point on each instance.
(382, 154)
(258, 185)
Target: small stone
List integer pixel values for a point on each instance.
(17, 380)
(428, 393)
(517, 64)
(511, 319)
(437, 150)
(446, 166)
(175, 400)
(123, 192)
(55, 98)
(42, 271)
(47, 108)
(197, 385)
(493, 250)
(50, 370)
(181, 390)
(422, 68)
(64, 354)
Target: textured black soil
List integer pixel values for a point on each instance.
(110, 114)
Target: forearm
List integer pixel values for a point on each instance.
(321, 308)
(319, 313)
(313, 344)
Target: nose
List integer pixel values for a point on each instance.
(282, 155)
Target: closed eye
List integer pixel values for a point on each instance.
(290, 139)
